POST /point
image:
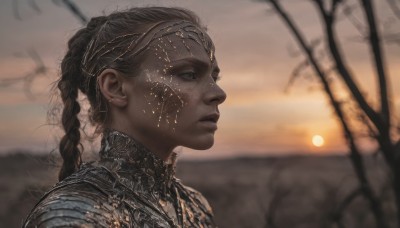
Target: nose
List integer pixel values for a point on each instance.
(214, 94)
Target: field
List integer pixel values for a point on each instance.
(294, 191)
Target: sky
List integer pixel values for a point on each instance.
(254, 51)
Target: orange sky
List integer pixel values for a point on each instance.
(258, 118)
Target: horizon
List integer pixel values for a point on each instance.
(185, 158)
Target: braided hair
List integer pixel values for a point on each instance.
(73, 79)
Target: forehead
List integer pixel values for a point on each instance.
(173, 47)
(187, 42)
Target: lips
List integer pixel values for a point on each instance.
(210, 118)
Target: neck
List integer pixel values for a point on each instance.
(156, 145)
(134, 163)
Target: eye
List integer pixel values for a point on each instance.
(188, 75)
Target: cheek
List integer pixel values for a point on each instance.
(166, 102)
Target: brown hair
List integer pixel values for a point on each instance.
(73, 79)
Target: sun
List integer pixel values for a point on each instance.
(318, 140)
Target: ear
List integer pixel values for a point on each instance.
(110, 83)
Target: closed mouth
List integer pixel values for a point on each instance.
(211, 118)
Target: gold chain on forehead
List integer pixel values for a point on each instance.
(139, 42)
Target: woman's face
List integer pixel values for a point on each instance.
(174, 99)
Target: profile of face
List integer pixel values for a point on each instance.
(173, 100)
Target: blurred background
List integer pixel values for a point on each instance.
(281, 152)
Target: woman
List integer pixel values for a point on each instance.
(150, 77)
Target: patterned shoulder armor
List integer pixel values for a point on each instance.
(79, 202)
(201, 200)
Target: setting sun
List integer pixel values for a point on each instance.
(318, 140)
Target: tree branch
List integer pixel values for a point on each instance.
(394, 7)
(379, 61)
(343, 69)
(71, 6)
(337, 216)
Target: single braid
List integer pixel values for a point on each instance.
(69, 84)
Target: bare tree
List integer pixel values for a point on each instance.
(379, 122)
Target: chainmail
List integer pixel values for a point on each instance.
(128, 187)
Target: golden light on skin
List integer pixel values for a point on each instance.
(318, 140)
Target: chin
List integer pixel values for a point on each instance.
(201, 144)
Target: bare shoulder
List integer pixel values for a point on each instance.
(75, 205)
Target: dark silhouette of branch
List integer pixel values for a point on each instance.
(34, 6)
(73, 8)
(392, 38)
(304, 64)
(16, 10)
(27, 79)
(296, 73)
(348, 13)
(394, 7)
(343, 69)
(31, 3)
(380, 66)
(277, 194)
(337, 216)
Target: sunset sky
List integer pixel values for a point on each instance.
(252, 47)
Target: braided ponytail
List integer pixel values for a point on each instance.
(69, 84)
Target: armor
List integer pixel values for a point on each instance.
(128, 187)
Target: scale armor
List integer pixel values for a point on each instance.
(128, 187)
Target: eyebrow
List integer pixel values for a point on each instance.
(197, 62)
